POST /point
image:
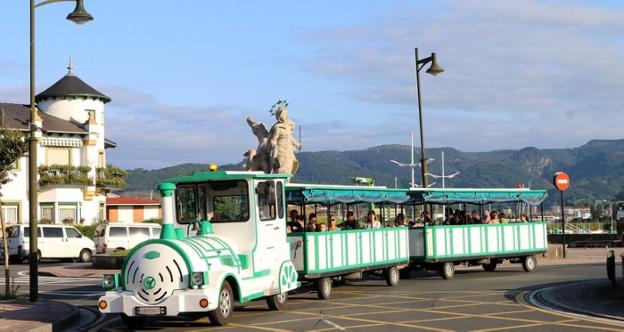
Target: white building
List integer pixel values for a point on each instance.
(73, 176)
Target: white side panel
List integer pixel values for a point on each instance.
(322, 252)
(440, 238)
(492, 238)
(539, 236)
(475, 240)
(508, 237)
(311, 250)
(337, 249)
(352, 249)
(366, 248)
(458, 241)
(525, 237)
(392, 242)
(379, 246)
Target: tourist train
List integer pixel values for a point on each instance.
(225, 239)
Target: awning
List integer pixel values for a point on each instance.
(319, 194)
(478, 196)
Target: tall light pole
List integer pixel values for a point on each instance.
(434, 70)
(78, 16)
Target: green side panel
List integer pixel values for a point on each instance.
(251, 297)
(450, 242)
(244, 261)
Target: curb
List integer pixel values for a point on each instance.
(66, 320)
(537, 298)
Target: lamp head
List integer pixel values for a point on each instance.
(435, 69)
(80, 14)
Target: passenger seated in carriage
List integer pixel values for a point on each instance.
(298, 225)
(399, 220)
(371, 220)
(312, 226)
(332, 224)
(350, 223)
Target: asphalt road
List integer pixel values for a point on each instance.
(474, 300)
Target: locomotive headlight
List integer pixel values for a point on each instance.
(110, 281)
(198, 279)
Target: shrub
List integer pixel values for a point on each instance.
(153, 221)
(87, 230)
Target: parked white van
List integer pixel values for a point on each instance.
(54, 241)
(113, 237)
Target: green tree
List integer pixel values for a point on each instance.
(12, 147)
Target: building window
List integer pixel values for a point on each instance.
(92, 119)
(67, 213)
(101, 159)
(10, 213)
(47, 214)
(58, 156)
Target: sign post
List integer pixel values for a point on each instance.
(562, 183)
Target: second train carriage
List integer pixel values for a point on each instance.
(444, 246)
(323, 257)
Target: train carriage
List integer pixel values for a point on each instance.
(444, 246)
(322, 257)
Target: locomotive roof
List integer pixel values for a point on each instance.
(224, 175)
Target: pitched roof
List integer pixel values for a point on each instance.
(71, 86)
(130, 201)
(17, 116)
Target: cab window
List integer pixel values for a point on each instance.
(186, 204)
(217, 201)
(266, 200)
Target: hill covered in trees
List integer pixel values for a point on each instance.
(596, 168)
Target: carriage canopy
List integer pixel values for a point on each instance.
(477, 196)
(300, 194)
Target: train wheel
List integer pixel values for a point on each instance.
(221, 316)
(529, 263)
(277, 301)
(491, 266)
(323, 288)
(447, 269)
(392, 276)
(133, 322)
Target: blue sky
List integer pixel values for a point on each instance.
(183, 75)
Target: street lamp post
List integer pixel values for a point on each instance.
(434, 70)
(78, 16)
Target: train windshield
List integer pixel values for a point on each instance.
(218, 202)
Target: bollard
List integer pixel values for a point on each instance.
(611, 266)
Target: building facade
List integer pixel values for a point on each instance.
(131, 210)
(73, 176)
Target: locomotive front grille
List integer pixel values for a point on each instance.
(154, 272)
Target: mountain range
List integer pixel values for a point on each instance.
(596, 169)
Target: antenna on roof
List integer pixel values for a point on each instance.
(70, 67)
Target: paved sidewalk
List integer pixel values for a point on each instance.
(75, 270)
(21, 315)
(581, 256)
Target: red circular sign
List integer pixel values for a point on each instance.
(561, 181)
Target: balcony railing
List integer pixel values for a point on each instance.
(110, 177)
(64, 175)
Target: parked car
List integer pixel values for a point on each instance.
(54, 241)
(114, 237)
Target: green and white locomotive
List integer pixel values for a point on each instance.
(223, 241)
